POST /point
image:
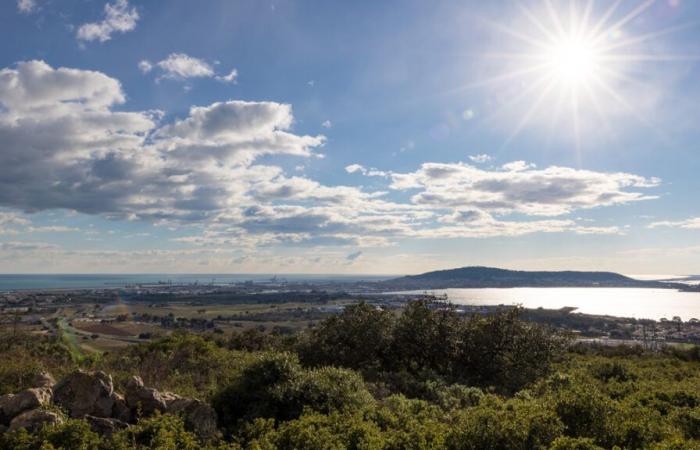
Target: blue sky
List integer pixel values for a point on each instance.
(348, 137)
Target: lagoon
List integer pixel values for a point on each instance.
(640, 303)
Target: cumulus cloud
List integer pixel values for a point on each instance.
(689, 224)
(231, 77)
(327, 124)
(26, 6)
(119, 18)
(480, 158)
(180, 66)
(521, 188)
(64, 145)
(145, 66)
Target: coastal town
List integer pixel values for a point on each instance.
(101, 319)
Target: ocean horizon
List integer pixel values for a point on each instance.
(11, 282)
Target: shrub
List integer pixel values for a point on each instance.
(358, 338)
(276, 386)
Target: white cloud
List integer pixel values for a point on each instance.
(354, 168)
(119, 18)
(468, 114)
(180, 65)
(232, 77)
(517, 166)
(327, 124)
(689, 224)
(480, 158)
(145, 66)
(520, 188)
(26, 6)
(64, 146)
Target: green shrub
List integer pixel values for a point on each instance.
(276, 386)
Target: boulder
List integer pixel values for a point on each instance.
(33, 420)
(105, 426)
(86, 393)
(43, 379)
(120, 410)
(12, 405)
(199, 416)
(143, 400)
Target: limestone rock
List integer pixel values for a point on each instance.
(33, 420)
(199, 416)
(83, 393)
(120, 410)
(12, 405)
(105, 426)
(143, 399)
(43, 379)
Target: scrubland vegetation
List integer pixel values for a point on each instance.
(424, 378)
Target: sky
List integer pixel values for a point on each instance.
(392, 137)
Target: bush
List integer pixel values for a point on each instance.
(506, 352)
(72, 434)
(157, 432)
(358, 338)
(276, 386)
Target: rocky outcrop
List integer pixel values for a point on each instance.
(120, 410)
(91, 396)
(43, 379)
(12, 405)
(34, 419)
(85, 393)
(105, 426)
(143, 400)
(199, 416)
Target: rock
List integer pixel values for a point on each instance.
(33, 420)
(199, 416)
(86, 393)
(12, 405)
(169, 398)
(120, 410)
(43, 379)
(105, 426)
(143, 400)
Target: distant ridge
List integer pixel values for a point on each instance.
(485, 277)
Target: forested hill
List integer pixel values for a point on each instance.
(484, 277)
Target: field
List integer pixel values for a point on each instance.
(104, 327)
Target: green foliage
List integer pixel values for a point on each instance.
(359, 338)
(25, 355)
(438, 380)
(275, 386)
(431, 341)
(185, 363)
(506, 352)
(165, 432)
(73, 434)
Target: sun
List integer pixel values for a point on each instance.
(573, 61)
(572, 64)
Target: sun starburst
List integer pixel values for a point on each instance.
(573, 58)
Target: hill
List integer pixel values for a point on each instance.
(490, 277)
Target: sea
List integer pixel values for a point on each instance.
(101, 281)
(640, 303)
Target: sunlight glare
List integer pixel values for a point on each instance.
(573, 61)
